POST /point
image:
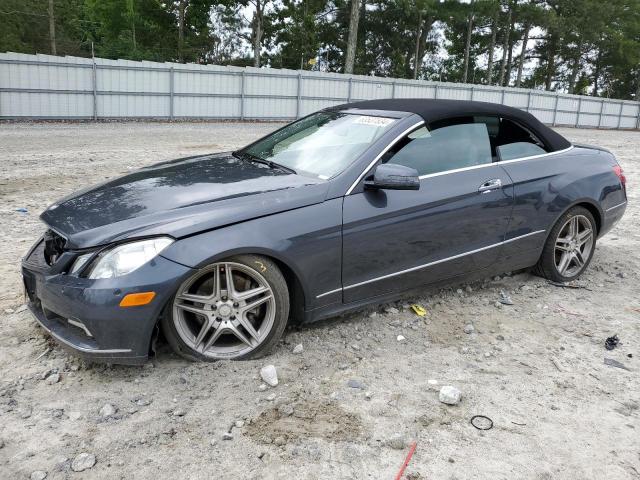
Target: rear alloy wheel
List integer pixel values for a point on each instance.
(570, 246)
(233, 309)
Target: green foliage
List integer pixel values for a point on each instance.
(586, 47)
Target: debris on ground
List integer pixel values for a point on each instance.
(407, 459)
(469, 329)
(269, 374)
(400, 338)
(298, 349)
(353, 383)
(482, 422)
(38, 475)
(614, 363)
(611, 342)
(83, 462)
(450, 395)
(419, 310)
(107, 410)
(505, 299)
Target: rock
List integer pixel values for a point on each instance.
(107, 410)
(179, 412)
(468, 329)
(271, 397)
(269, 375)
(142, 402)
(400, 338)
(499, 337)
(459, 291)
(498, 305)
(505, 299)
(286, 410)
(397, 442)
(53, 378)
(83, 462)
(392, 310)
(38, 475)
(368, 395)
(213, 442)
(432, 381)
(263, 387)
(279, 441)
(238, 423)
(227, 436)
(353, 383)
(487, 354)
(373, 314)
(8, 310)
(450, 395)
(298, 349)
(469, 289)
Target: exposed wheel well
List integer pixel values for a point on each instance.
(594, 211)
(296, 292)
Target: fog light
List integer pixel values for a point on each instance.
(137, 299)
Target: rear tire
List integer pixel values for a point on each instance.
(569, 247)
(235, 309)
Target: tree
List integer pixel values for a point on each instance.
(354, 19)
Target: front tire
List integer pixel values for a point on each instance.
(569, 247)
(232, 309)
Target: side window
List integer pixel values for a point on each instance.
(445, 148)
(510, 140)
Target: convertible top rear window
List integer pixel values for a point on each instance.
(323, 144)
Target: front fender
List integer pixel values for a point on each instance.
(307, 240)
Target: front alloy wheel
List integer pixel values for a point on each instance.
(232, 309)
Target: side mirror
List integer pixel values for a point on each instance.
(389, 176)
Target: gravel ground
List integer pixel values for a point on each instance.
(349, 405)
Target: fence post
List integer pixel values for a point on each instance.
(600, 114)
(502, 97)
(298, 96)
(393, 89)
(620, 115)
(94, 79)
(349, 90)
(555, 110)
(242, 96)
(528, 100)
(578, 113)
(171, 89)
(436, 92)
(472, 92)
(638, 117)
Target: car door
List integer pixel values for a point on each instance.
(398, 239)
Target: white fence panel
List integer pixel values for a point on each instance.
(45, 86)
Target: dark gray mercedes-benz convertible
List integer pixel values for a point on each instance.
(349, 206)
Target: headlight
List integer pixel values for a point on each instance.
(80, 262)
(126, 258)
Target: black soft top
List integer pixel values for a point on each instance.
(432, 110)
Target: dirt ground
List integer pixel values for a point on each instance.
(349, 405)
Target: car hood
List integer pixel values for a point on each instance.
(179, 198)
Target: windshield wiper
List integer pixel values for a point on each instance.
(254, 158)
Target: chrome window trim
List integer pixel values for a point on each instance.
(435, 262)
(616, 206)
(455, 170)
(385, 150)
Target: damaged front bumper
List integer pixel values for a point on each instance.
(85, 316)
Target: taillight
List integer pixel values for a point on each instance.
(620, 174)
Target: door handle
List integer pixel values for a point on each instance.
(489, 185)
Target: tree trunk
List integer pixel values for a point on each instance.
(257, 33)
(523, 54)
(492, 46)
(416, 55)
(352, 42)
(575, 68)
(467, 47)
(52, 29)
(505, 47)
(596, 74)
(422, 44)
(551, 64)
(132, 16)
(507, 77)
(181, 8)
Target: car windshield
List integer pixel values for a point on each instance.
(320, 145)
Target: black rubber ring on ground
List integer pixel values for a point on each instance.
(481, 428)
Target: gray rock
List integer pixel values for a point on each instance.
(107, 410)
(505, 299)
(227, 436)
(286, 410)
(271, 397)
(263, 387)
(450, 395)
(400, 338)
(53, 378)
(239, 423)
(269, 375)
(397, 442)
(391, 310)
(38, 475)
(179, 412)
(468, 329)
(213, 442)
(279, 441)
(353, 383)
(83, 462)
(298, 349)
